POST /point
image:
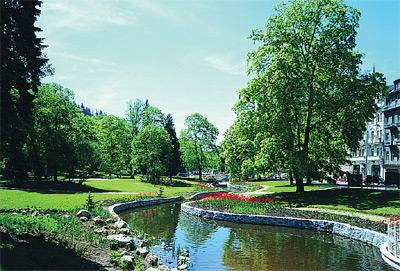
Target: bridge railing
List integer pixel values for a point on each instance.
(393, 234)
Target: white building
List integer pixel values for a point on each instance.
(368, 158)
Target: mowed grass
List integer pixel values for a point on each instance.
(44, 200)
(284, 186)
(135, 185)
(385, 203)
(18, 199)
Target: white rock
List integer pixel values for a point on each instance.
(83, 213)
(121, 240)
(151, 259)
(98, 221)
(182, 267)
(121, 224)
(142, 251)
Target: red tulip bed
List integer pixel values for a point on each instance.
(204, 187)
(244, 204)
(238, 203)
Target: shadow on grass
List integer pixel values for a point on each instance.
(40, 255)
(51, 187)
(355, 198)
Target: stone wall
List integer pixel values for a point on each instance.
(343, 229)
(119, 207)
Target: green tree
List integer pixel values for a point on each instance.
(114, 137)
(54, 144)
(153, 116)
(134, 115)
(175, 163)
(307, 99)
(151, 152)
(198, 143)
(22, 66)
(238, 152)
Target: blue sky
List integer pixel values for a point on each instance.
(184, 56)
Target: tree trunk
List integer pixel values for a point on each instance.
(299, 183)
(308, 180)
(200, 175)
(291, 178)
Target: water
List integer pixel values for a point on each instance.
(215, 245)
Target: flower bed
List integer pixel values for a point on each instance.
(204, 188)
(241, 204)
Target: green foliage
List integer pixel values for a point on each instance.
(65, 229)
(198, 144)
(23, 64)
(114, 257)
(151, 152)
(153, 116)
(114, 147)
(160, 193)
(307, 102)
(62, 136)
(134, 115)
(90, 204)
(175, 164)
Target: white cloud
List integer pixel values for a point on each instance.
(84, 15)
(226, 65)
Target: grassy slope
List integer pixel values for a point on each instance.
(18, 199)
(353, 200)
(135, 185)
(284, 186)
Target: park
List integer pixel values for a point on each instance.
(305, 175)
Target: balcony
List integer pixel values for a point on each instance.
(391, 105)
(392, 125)
(392, 163)
(393, 142)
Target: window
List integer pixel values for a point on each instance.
(387, 155)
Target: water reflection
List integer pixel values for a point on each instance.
(215, 245)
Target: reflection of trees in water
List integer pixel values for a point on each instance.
(197, 230)
(157, 221)
(251, 247)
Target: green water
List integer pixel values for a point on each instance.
(214, 245)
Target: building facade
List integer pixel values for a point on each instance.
(379, 151)
(391, 112)
(368, 158)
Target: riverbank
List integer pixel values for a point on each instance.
(268, 206)
(359, 233)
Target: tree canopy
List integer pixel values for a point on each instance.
(151, 155)
(23, 64)
(307, 101)
(198, 144)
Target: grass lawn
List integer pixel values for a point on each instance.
(44, 200)
(385, 203)
(284, 186)
(135, 185)
(17, 199)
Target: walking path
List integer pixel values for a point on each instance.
(260, 191)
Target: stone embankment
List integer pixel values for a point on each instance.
(343, 229)
(133, 245)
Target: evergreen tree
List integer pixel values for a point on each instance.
(175, 164)
(22, 66)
